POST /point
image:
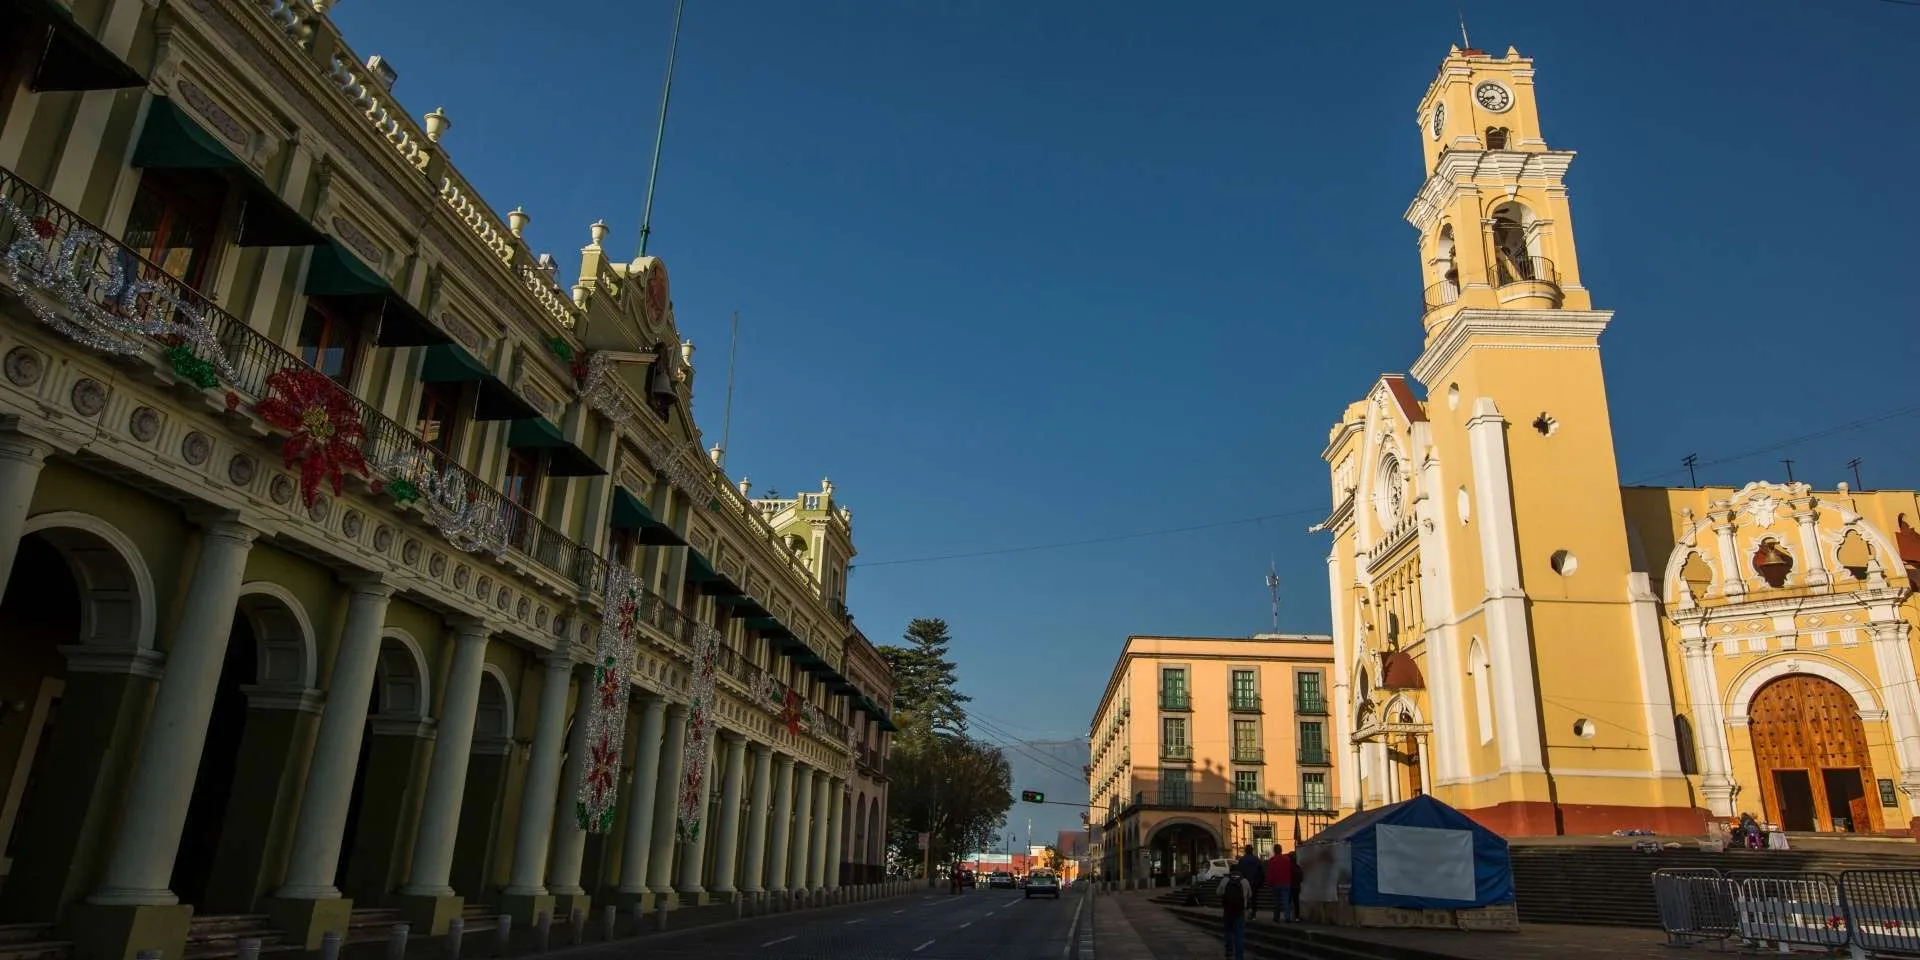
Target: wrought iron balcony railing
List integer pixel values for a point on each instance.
(1244, 703)
(1512, 270)
(1176, 751)
(1439, 295)
(1314, 757)
(1310, 704)
(1175, 700)
(1249, 754)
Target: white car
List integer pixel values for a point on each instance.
(1043, 882)
(1214, 871)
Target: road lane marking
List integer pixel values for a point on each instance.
(898, 912)
(923, 946)
(1073, 930)
(969, 923)
(855, 920)
(784, 939)
(992, 912)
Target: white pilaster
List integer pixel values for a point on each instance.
(1814, 560)
(141, 865)
(754, 875)
(1894, 657)
(447, 777)
(1656, 701)
(336, 750)
(21, 459)
(728, 852)
(836, 831)
(666, 803)
(817, 852)
(1339, 689)
(803, 777)
(537, 795)
(780, 820)
(1709, 721)
(640, 794)
(1510, 640)
(569, 839)
(1732, 572)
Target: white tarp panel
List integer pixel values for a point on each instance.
(1424, 862)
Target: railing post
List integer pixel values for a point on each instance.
(456, 937)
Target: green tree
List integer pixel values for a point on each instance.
(927, 698)
(953, 788)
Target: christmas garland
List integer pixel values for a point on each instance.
(607, 711)
(129, 310)
(324, 430)
(701, 718)
(462, 516)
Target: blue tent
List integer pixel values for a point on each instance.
(1418, 854)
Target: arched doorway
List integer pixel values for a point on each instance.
(39, 614)
(1180, 848)
(1810, 749)
(376, 841)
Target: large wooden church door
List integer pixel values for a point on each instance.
(1811, 751)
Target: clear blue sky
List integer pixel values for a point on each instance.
(1015, 273)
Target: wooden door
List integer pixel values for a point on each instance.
(1808, 723)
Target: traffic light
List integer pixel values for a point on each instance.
(1033, 796)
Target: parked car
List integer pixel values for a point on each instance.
(1214, 871)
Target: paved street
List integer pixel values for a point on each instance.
(977, 925)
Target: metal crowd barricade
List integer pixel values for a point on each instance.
(1883, 910)
(1806, 910)
(1696, 904)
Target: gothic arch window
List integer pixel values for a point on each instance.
(1683, 741)
(1516, 245)
(1496, 138)
(1481, 672)
(1443, 257)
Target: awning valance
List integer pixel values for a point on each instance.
(70, 57)
(450, 363)
(563, 458)
(629, 511)
(336, 273)
(172, 140)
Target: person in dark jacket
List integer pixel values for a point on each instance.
(1252, 871)
(1236, 901)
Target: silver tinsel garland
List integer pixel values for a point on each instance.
(129, 310)
(601, 390)
(468, 520)
(607, 707)
(701, 719)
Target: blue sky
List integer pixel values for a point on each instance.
(1018, 273)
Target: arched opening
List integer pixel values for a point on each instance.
(1854, 555)
(843, 862)
(1405, 755)
(1696, 575)
(1179, 849)
(1481, 671)
(1516, 246)
(1496, 138)
(219, 762)
(40, 613)
(377, 811)
(1446, 267)
(876, 836)
(857, 837)
(1810, 748)
(1683, 742)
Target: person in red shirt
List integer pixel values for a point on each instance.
(1283, 875)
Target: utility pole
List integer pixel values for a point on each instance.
(1691, 461)
(1854, 465)
(1789, 464)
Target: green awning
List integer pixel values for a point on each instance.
(764, 624)
(699, 568)
(449, 363)
(71, 58)
(563, 458)
(744, 606)
(629, 512)
(886, 723)
(171, 140)
(336, 273)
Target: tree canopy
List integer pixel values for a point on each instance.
(926, 695)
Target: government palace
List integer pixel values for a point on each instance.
(359, 567)
(1525, 638)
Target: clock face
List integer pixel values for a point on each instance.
(1493, 97)
(1439, 118)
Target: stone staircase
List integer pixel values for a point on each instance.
(31, 941)
(1294, 941)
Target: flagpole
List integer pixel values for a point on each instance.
(660, 132)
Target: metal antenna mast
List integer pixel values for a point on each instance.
(660, 133)
(726, 422)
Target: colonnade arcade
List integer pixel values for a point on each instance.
(284, 759)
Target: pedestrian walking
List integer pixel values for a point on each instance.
(1236, 898)
(1255, 873)
(1280, 878)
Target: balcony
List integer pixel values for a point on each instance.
(1314, 757)
(1442, 294)
(1249, 754)
(1310, 704)
(1175, 700)
(1244, 703)
(1176, 751)
(132, 305)
(1175, 795)
(1249, 800)
(1527, 282)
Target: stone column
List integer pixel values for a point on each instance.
(836, 831)
(817, 852)
(428, 880)
(336, 756)
(569, 840)
(526, 892)
(728, 853)
(757, 814)
(1509, 635)
(161, 787)
(666, 803)
(693, 853)
(21, 458)
(802, 826)
(780, 819)
(640, 801)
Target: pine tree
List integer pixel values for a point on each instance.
(926, 698)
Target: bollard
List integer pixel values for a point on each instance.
(612, 915)
(739, 907)
(542, 931)
(577, 919)
(660, 916)
(456, 934)
(503, 935)
(330, 945)
(249, 949)
(397, 942)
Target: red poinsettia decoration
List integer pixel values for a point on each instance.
(790, 713)
(324, 430)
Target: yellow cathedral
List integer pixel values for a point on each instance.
(1524, 638)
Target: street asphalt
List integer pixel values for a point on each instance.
(976, 925)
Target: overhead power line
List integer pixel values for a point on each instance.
(1866, 421)
(1117, 538)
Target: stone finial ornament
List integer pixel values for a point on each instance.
(436, 122)
(599, 232)
(517, 220)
